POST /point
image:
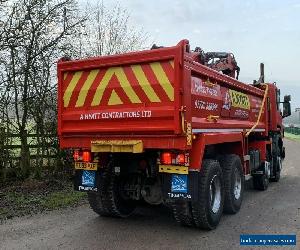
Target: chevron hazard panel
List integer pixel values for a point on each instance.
(146, 83)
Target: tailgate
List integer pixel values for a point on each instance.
(133, 93)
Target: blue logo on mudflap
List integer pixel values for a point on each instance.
(179, 183)
(88, 178)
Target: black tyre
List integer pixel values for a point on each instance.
(276, 159)
(260, 182)
(208, 210)
(283, 153)
(182, 212)
(277, 170)
(107, 201)
(233, 177)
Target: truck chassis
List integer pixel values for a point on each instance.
(169, 126)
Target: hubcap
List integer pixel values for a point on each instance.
(237, 184)
(215, 193)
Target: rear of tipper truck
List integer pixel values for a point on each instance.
(169, 126)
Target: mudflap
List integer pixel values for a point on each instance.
(264, 169)
(180, 186)
(86, 180)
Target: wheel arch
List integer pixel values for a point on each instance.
(206, 145)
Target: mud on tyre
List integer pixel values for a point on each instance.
(108, 201)
(207, 211)
(233, 177)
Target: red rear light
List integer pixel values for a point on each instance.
(86, 156)
(180, 159)
(76, 155)
(166, 158)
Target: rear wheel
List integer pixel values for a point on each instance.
(260, 182)
(108, 201)
(207, 211)
(276, 159)
(277, 171)
(233, 182)
(182, 211)
(283, 153)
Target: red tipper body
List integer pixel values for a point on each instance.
(160, 96)
(159, 125)
(146, 94)
(123, 96)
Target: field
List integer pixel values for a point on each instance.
(292, 136)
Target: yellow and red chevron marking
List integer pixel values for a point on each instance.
(136, 83)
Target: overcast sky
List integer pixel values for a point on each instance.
(255, 31)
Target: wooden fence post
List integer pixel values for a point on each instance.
(2, 154)
(9, 147)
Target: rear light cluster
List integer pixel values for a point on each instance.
(85, 156)
(169, 158)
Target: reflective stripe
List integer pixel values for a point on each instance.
(144, 83)
(119, 72)
(85, 88)
(118, 85)
(102, 86)
(69, 91)
(114, 99)
(224, 130)
(163, 79)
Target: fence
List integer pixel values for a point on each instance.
(292, 130)
(44, 152)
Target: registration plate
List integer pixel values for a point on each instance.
(86, 165)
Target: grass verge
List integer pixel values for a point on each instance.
(292, 136)
(62, 199)
(32, 197)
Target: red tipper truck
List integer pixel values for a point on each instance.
(169, 125)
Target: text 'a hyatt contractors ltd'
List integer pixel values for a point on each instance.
(116, 115)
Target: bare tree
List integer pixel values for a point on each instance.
(34, 34)
(108, 31)
(31, 31)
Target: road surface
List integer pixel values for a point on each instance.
(275, 211)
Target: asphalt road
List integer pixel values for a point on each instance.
(275, 211)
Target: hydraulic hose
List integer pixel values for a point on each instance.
(260, 111)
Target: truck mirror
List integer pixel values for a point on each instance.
(287, 98)
(286, 109)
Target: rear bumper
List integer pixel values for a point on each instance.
(148, 141)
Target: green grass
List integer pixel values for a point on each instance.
(3, 212)
(292, 136)
(21, 200)
(62, 199)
